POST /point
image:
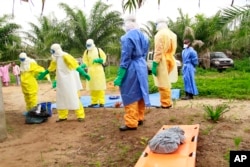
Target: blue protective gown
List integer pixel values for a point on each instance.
(190, 61)
(133, 58)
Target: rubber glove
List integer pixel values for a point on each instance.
(83, 73)
(119, 78)
(83, 66)
(41, 75)
(154, 68)
(54, 84)
(98, 60)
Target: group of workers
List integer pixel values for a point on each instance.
(132, 77)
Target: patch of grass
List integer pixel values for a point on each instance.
(230, 84)
(227, 155)
(214, 113)
(144, 140)
(207, 130)
(172, 119)
(9, 129)
(237, 141)
(123, 149)
(247, 130)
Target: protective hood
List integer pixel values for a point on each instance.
(25, 62)
(130, 23)
(161, 23)
(90, 44)
(56, 50)
(22, 56)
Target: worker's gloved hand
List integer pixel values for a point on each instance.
(98, 60)
(54, 84)
(41, 75)
(83, 66)
(154, 68)
(119, 78)
(83, 73)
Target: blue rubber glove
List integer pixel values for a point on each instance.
(98, 60)
(54, 84)
(154, 68)
(41, 75)
(83, 73)
(119, 78)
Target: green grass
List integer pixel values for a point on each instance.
(226, 85)
(232, 83)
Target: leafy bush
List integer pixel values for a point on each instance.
(214, 113)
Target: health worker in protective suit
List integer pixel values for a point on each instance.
(29, 71)
(68, 83)
(133, 74)
(190, 61)
(164, 68)
(94, 58)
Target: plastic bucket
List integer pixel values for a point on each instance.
(175, 93)
(47, 105)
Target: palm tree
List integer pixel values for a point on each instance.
(150, 30)
(178, 27)
(238, 20)
(40, 37)
(10, 40)
(103, 26)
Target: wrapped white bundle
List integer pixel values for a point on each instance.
(167, 141)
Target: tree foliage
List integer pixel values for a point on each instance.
(9, 38)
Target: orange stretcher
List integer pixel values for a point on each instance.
(184, 156)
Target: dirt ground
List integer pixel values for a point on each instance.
(97, 142)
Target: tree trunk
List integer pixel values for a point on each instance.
(3, 132)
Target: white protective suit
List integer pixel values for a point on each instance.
(68, 83)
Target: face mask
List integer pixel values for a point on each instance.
(185, 46)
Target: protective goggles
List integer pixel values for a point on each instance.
(88, 45)
(52, 51)
(22, 59)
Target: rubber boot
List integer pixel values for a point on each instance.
(191, 96)
(186, 97)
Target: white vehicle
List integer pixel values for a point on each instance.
(150, 58)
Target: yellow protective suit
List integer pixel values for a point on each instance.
(165, 48)
(97, 84)
(29, 70)
(68, 85)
